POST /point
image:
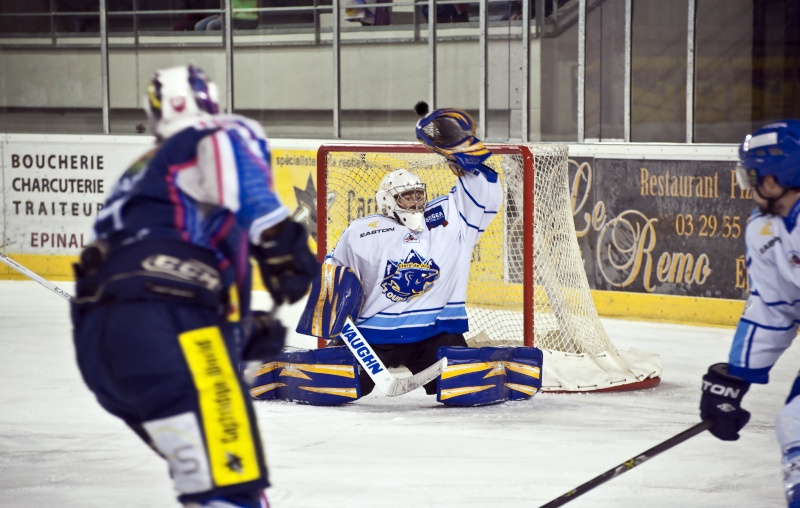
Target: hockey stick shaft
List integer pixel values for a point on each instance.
(629, 464)
(35, 277)
(377, 371)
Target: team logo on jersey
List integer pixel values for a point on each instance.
(411, 238)
(373, 224)
(767, 229)
(435, 217)
(407, 279)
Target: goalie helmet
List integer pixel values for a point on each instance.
(177, 97)
(403, 196)
(772, 150)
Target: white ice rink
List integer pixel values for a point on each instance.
(59, 449)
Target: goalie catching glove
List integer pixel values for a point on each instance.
(287, 264)
(451, 133)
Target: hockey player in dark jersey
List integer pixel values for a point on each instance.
(162, 312)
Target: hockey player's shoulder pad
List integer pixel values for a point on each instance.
(335, 295)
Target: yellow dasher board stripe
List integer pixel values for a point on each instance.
(526, 389)
(351, 393)
(464, 390)
(231, 450)
(297, 369)
(258, 390)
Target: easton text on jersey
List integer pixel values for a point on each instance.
(767, 246)
(386, 230)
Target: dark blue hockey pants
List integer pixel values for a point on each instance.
(165, 369)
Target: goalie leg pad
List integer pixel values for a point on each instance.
(488, 375)
(524, 372)
(335, 295)
(320, 377)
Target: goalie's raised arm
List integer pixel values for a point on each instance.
(476, 197)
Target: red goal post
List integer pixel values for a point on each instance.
(527, 282)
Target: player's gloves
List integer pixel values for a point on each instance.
(286, 263)
(266, 339)
(721, 402)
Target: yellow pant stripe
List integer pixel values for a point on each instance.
(231, 450)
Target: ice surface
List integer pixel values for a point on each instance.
(59, 449)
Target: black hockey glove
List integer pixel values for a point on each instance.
(721, 402)
(266, 340)
(287, 264)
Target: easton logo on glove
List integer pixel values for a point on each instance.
(721, 402)
(721, 390)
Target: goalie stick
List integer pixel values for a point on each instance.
(385, 380)
(34, 277)
(629, 464)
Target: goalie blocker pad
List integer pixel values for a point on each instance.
(321, 377)
(488, 375)
(335, 295)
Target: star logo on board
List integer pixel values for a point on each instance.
(233, 462)
(306, 211)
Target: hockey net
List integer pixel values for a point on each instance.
(527, 282)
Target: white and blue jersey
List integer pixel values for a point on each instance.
(772, 312)
(415, 284)
(209, 185)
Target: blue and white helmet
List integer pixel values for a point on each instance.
(772, 150)
(177, 97)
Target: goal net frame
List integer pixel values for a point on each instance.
(566, 368)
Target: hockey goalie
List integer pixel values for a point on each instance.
(393, 292)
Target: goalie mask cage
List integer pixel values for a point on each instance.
(527, 282)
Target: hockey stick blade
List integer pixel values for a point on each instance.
(629, 464)
(402, 385)
(34, 277)
(385, 381)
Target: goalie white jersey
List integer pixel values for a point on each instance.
(770, 319)
(415, 283)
